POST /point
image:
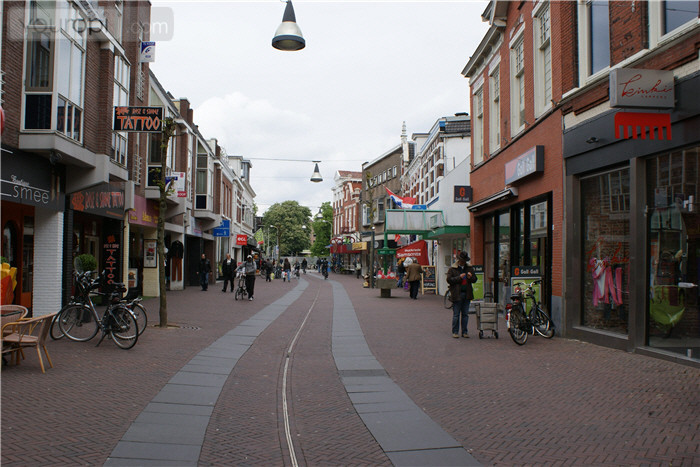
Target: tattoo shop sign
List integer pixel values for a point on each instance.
(143, 119)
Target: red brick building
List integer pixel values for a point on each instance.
(516, 173)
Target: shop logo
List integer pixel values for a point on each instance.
(634, 123)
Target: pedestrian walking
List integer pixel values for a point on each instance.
(358, 268)
(401, 271)
(204, 269)
(318, 264)
(304, 265)
(249, 268)
(286, 271)
(460, 278)
(413, 276)
(228, 268)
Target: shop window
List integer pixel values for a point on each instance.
(606, 245)
(674, 251)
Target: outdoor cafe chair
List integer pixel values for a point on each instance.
(30, 332)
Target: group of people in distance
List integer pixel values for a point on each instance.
(460, 277)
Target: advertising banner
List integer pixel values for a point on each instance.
(478, 286)
(417, 250)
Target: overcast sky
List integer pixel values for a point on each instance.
(368, 66)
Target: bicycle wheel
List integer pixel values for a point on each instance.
(448, 302)
(542, 323)
(124, 329)
(518, 325)
(77, 323)
(139, 312)
(55, 332)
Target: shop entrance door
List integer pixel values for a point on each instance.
(18, 249)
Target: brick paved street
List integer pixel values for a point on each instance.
(549, 402)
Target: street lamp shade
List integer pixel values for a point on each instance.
(288, 35)
(316, 177)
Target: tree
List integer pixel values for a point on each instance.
(291, 220)
(322, 231)
(168, 130)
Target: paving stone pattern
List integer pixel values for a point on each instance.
(549, 402)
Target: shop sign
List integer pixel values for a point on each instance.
(29, 179)
(525, 164)
(463, 194)
(359, 246)
(525, 275)
(241, 239)
(633, 87)
(418, 250)
(193, 226)
(428, 283)
(142, 119)
(105, 200)
(111, 254)
(148, 52)
(223, 230)
(145, 212)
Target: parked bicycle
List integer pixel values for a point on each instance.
(139, 311)
(241, 291)
(521, 321)
(80, 322)
(447, 300)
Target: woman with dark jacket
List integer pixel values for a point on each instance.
(228, 268)
(460, 278)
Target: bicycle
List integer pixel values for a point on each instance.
(138, 310)
(448, 300)
(241, 291)
(521, 322)
(80, 322)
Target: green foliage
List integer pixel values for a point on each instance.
(292, 222)
(86, 262)
(322, 230)
(3, 260)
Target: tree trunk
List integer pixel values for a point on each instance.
(162, 206)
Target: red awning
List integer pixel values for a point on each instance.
(418, 250)
(343, 248)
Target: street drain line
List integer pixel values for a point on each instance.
(285, 410)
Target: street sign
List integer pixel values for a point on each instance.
(223, 230)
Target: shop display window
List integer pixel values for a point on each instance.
(605, 204)
(673, 250)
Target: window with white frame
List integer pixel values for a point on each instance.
(495, 110)
(543, 59)
(120, 98)
(55, 50)
(517, 94)
(478, 126)
(677, 13)
(204, 181)
(593, 37)
(118, 19)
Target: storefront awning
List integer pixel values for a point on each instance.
(494, 198)
(448, 232)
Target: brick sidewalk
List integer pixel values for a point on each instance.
(550, 401)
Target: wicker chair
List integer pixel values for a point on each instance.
(27, 333)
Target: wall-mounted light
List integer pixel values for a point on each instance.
(592, 140)
(288, 35)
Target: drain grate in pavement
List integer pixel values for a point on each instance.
(190, 327)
